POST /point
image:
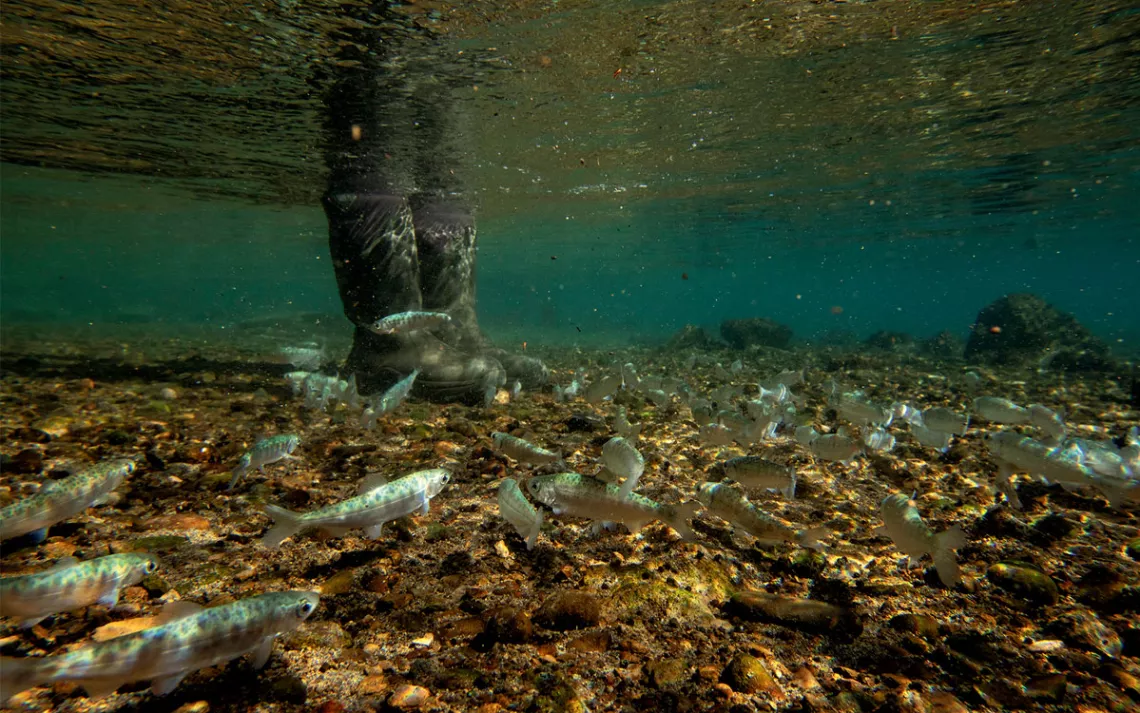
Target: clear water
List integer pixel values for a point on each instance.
(834, 166)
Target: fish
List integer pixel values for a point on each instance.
(1049, 421)
(930, 438)
(621, 458)
(264, 452)
(907, 413)
(523, 450)
(518, 511)
(186, 638)
(516, 390)
(582, 496)
(378, 502)
(945, 420)
(602, 389)
(307, 357)
(296, 381)
(659, 398)
(63, 499)
(730, 504)
(1017, 453)
(404, 322)
(757, 472)
(853, 407)
(624, 428)
(629, 378)
(72, 584)
(835, 446)
(879, 440)
(806, 435)
(396, 394)
(998, 410)
(716, 434)
(914, 537)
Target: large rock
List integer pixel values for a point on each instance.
(1025, 329)
(756, 331)
(689, 337)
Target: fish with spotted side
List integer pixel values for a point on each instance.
(71, 585)
(378, 502)
(186, 638)
(63, 499)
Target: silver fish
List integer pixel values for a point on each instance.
(879, 440)
(930, 438)
(602, 388)
(1016, 453)
(757, 472)
(911, 535)
(621, 458)
(517, 510)
(624, 428)
(396, 393)
(716, 434)
(264, 452)
(806, 435)
(308, 358)
(855, 408)
(729, 503)
(404, 322)
(835, 446)
(945, 420)
(1048, 420)
(998, 410)
(186, 638)
(582, 496)
(63, 499)
(72, 584)
(523, 450)
(378, 503)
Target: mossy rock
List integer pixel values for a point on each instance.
(1025, 581)
(747, 674)
(657, 601)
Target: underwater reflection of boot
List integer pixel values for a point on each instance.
(373, 248)
(445, 243)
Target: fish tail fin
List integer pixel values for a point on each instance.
(678, 519)
(945, 561)
(790, 491)
(811, 538)
(21, 674)
(532, 538)
(286, 524)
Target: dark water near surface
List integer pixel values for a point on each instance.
(901, 163)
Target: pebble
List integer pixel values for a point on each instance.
(372, 685)
(1132, 549)
(507, 625)
(27, 461)
(569, 610)
(1025, 581)
(666, 672)
(924, 626)
(168, 394)
(180, 522)
(747, 674)
(195, 707)
(288, 689)
(408, 696)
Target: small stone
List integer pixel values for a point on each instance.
(666, 672)
(321, 634)
(747, 674)
(372, 685)
(508, 625)
(584, 423)
(941, 702)
(1132, 549)
(181, 522)
(327, 707)
(408, 696)
(195, 707)
(1025, 581)
(288, 689)
(1049, 688)
(115, 629)
(424, 641)
(471, 626)
(593, 642)
(28, 460)
(924, 626)
(1120, 678)
(805, 679)
(569, 610)
(339, 583)
(1085, 630)
(168, 394)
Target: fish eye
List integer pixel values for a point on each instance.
(150, 566)
(304, 609)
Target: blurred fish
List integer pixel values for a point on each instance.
(806, 435)
(60, 500)
(716, 434)
(264, 452)
(945, 420)
(582, 496)
(757, 472)
(855, 408)
(879, 440)
(396, 393)
(517, 510)
(835, 447)
(296, 381)
(523, 450)
(516, 390)
(71, 585)
(1049, 421)
(621, 458)
(624, 428)
(185, 639)
(915, 539)
(659, 398)
(930, 438)
(602, 388)
(729, 503)
(308, 358)
(736, 367)
(971, 380)
(998, 410)
(379, 502)
(629, 378)
(907, 413)
(404, 322)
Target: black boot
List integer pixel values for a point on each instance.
(445, 243)
(373, 248)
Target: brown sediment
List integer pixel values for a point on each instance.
(451, 612)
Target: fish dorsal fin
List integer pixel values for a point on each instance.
(371, 482)
(177, 610)
(63, 563)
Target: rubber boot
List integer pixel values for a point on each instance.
(445, 243)
(373, 247)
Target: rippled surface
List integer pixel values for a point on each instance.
(928, 109)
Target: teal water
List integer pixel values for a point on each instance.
(864, 176)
